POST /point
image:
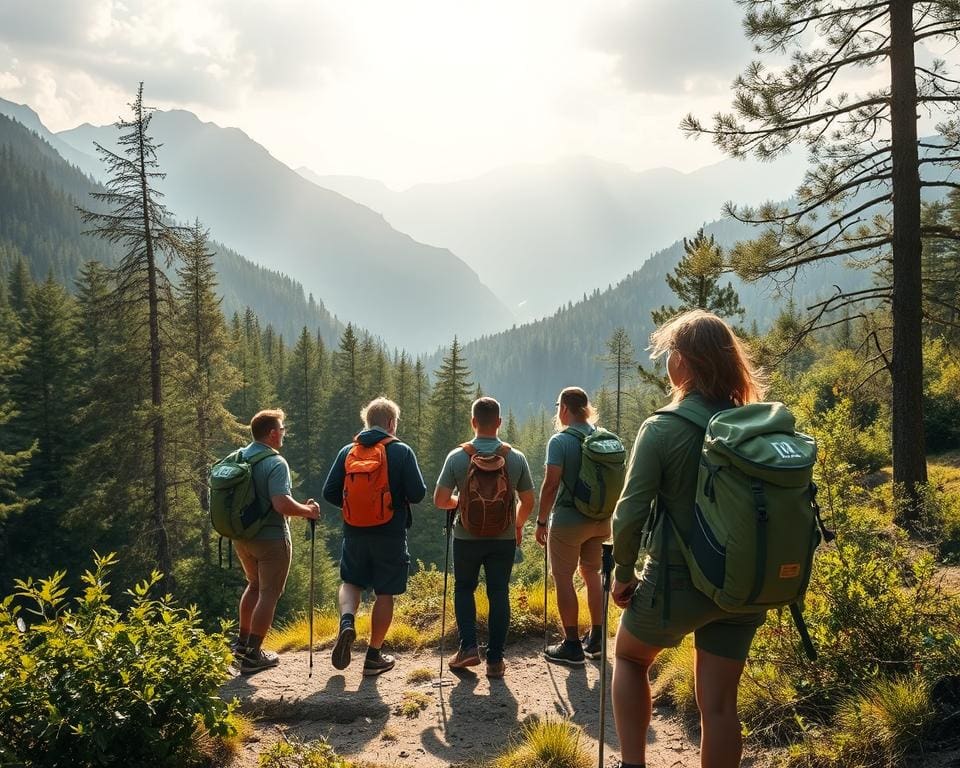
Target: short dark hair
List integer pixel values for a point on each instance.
(486, 411)
(577, 403)
(264, 422)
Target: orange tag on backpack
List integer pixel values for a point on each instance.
(790, 571)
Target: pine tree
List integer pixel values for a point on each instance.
(303, 401)
(420, 403)
(345, 402)
(449, 407)
(137, 221)
(510, 432)
(696, 282)
(203, 373)
(861, 197)
(620, 364)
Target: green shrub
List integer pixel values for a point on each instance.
(89, 685)
(292, 753)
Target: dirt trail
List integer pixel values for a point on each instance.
(472, 718)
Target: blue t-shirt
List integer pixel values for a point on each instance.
(454, 476)
(271, 477)
(563, 450)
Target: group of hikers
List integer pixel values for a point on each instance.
(375, 479)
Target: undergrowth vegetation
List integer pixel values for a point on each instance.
(82, 683)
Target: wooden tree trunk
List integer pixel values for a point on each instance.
(909, 449)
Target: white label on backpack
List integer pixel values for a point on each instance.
(225, 473)
(786, 450)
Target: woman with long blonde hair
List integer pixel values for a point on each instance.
(709, 370)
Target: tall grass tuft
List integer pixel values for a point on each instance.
(546, 744)
(672, 677)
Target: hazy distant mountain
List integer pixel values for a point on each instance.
(540, 235)
(29, 119)
(563, 349)
(39, 192)
(413, 295)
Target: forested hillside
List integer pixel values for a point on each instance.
(39, 193)
(338, 249)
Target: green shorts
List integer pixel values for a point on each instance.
(714, 630)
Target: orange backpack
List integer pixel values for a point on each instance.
(487, 504)
(366, 487)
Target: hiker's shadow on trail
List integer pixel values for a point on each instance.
(580, 701)
(472, 723)
(348, 719)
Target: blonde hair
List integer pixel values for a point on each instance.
(720, 365)
(378, 412)
(577, 402)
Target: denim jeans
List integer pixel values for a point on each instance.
(496, 558)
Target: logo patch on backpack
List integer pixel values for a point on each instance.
(367, 500)
(487, 503)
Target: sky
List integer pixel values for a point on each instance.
(404, 91)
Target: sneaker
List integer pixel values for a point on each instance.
(496, 669)
(383, 663)
(257, 660)
(341, 651)
(464, 659)
(592, 646)
(569, 652)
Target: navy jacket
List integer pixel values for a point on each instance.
(406, 484)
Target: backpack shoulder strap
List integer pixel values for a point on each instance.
(258, 457)
(504, 449)
(469, 449)
(696, 413)
(575, 432)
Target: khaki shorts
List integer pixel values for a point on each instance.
(714, 630)
(266, 563)
(573, 545)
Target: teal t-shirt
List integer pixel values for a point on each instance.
(563, 450)
(454, 476)
(271, 477)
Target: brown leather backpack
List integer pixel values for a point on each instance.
(487, 503)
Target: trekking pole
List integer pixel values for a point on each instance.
(313, 548)
(606, 569)
(544, 597)
(443, 621)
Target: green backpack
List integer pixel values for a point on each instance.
(234, 510)
(756, 519)
(603, 468)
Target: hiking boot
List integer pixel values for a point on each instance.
(341, 651)
(377, 666)
(495, 669)
(256, 660)
(592, 646)
(569, 652)
(464, 659)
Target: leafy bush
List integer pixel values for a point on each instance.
(89, 685)
(291, 753)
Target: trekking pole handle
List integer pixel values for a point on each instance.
(607, 564)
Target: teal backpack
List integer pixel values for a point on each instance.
(234, 510)
(603, 468)
(756, 520)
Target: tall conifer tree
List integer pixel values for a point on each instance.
(861, 197)
(449, 406)
(138, 222)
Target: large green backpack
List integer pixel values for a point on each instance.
(234, 510)
(756, 520)
(603, 468)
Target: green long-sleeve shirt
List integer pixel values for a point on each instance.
(664, 463)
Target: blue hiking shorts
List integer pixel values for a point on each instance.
(381, 563)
